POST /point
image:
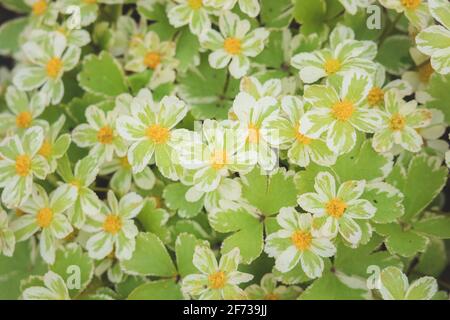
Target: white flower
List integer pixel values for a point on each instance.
(54, 289)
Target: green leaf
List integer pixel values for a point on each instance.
(269, 193)
(140, 80)
(304, 180)
(67, 260)
(184, 250)
(358, 23)
(394, 54)
(276, 14)
(187, 49)
(157, 290)
(434, 260)
(150, 258)
(16, 5)
(10, 35)
(387, 199)
(440, 95)
(437, 226)
(130, 283)
(174, 196)
(102, 75)
(310, 14)
(18, 267)
(154, 220)
(272, 55)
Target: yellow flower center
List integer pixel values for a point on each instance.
(152, 60)
(124, 162)
(75, 183)
(44, 217)
(336, 207)
(90, 1)
(332, 66)
(375, 96)
(46, 149)
(253, 133)
(271, 296)
(54, 67)
(158, 134)
(232, 45)
(23, 119)
(39, 7)
(217, 280)
(218, 159)
(397, 122)
(411, 4)
(112, 224)
(342, 110)
(425, 72)
(195, 4)
(301, 239)
(105, 135)
(301, 138)
(23, 165)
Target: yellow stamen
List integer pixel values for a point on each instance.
(152, 60)
(342, 110)
(23, 165)
(44, 217)
(397, 122)
(90, 1)
(375, 96)
(23, 119)
(218, 159)
(253, 133)
(232, 45)
(76, 183)
(301, 138)
(195, 4)
(271, 296)
(46, 149)
(301, 239)
(336, 207)
(158, 134)
(124, 162)
(332, 66)
(54, 67)
(411, 4)
(39, 7)
(105, 135)
(112, 224)
(217, 280)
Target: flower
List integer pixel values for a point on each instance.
(7, 238)
(87, 202)
(268, 290)
(192, 12)
(55, 288)
(301, 148)
(150, 130)
(43, 12)
(298, 241)
(74, 37)
(100, 134)
(88, 9)
(431, 133)
(336, 212)
(249, 7)
(254, 116)
(5, 78)
(46, 213)
(234, 43)
(24, 111)
(416, 11)
(122, 176)
(19, 163)
(113, 227)
(128, 34)
(435, 40)
(338, 111)
(344, 55)
(394, 285)
(54, 146)
(216, 281)
(400, 120)
(222, 152)
(270, 88)
(48, 62)
(352, 6)
(151, 53)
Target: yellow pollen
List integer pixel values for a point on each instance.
(62, 30)
(112, 224)
(152, 60)
(158, 134)
(332, 66)
(232, 45)
(46, 149)
(217, 280)
(271, 296)
(375, 96)
(411, 4)
(301, 138)
(23, 119)
(124, 162)
(23, 165)
(44, 217)
(54, 67)
(195, 4)
(301, 239)
(253, 133)
(218, 160)
(39, 7)
(336, 207)
(397, 122)
(342, 110)
(75, 183)
(90, 1)
(105, 135)
(425, 72)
